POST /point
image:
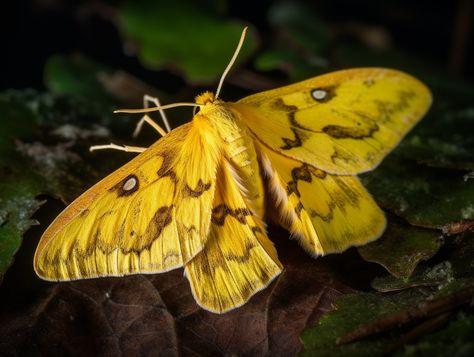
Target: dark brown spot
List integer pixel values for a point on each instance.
(299, 207)
(191, 228)
(318, 173)
(346, 132)
(240, 214)
(302, 173)
(292, 143)
(171, 255)
(241, 258)
(161, 218)
(187, 232)
(300, 132)
(342, 155)
(220, 212)
(349, 194)
(166, 166)
(198, 190)
(106, 213)
(386, 109)
(292, 187)
(279, 104)
(326, 218)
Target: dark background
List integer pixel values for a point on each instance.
(438, 31)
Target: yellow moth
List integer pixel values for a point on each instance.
(198, 197)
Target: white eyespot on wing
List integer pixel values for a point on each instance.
(130, 184)
(319, 94)
(127, 186)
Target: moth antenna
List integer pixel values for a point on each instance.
(154, 109)
(232, 61)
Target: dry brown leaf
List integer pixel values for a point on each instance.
(157, 315)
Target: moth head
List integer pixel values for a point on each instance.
(205, 98)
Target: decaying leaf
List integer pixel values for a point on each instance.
(407, 245)
(157, 313)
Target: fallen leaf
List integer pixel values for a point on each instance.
(438, 275)
(407, 245)
(156, 314)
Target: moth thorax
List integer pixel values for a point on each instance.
(204, 98)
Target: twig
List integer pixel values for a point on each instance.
(398, 319)
(420, 330)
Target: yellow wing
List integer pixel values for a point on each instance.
(151, 215)
(343, 122)
(239, 259)
(327, 213)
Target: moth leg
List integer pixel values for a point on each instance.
(146, 99)
(117, 147)
(146, 119)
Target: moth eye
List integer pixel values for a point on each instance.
(319, 94)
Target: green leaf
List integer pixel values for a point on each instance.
(379, 317)
(424, 196)
(184, 36)
(444, 138)
(17, 203)
(388, 317)
(438, 275)
(305, 29)
(459, 267)
(407, 245)
(103, 87)
(297, 67)
(17, 192)
(16, 121)
(302, 38)
(76, 75)
(351, 311)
